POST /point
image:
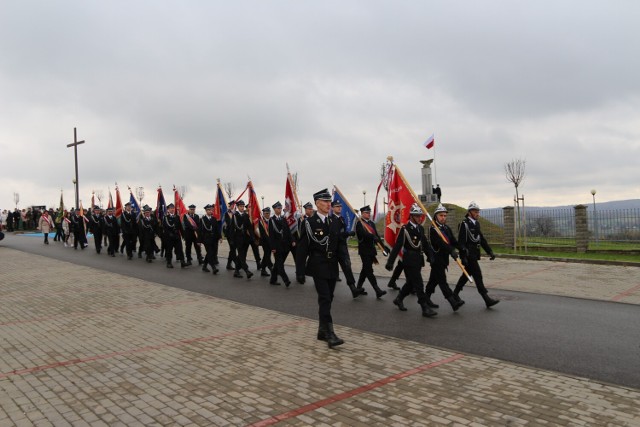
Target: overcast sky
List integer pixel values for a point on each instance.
(184, 92)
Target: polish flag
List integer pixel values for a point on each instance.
(429, 143)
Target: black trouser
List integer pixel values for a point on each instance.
(241, 257)
(367, 271)
(209, 243)
(129, 242)
(278, 267)
(46, 237)
(413, 276)
(325, 289)
(438, 277)
(397, 272)
(114, 243)
(473, 268)
(59, 233)
(256, 252)
(171, 244)
(266, 258)
(97, 240)
(233, 253)
(79, 237)
(191, 241)
(148, 244)
(345, 264)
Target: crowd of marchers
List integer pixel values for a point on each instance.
(318, 245)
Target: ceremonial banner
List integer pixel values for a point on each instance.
(254, 208)
(220, 207)
(60, 211)
(400, 200)
(110, 204)
(182, 210)
(161, 206)
(135, 207)
(290, 205)
(118, 203)
(348, 213)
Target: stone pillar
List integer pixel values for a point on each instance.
(582, 229)
(509, 220)
(426, 177)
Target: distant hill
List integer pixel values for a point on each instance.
(616, 204)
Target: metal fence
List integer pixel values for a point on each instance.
(613, 228)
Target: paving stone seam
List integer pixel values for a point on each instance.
(626, 293)
(354, 392)
(98, 313)
(145, 349)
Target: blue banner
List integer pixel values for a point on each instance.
(221, 208)
(348, 213)
(135, 207)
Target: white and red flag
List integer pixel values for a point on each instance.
(429, 143)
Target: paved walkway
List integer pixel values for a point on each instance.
(590, 281)
(81, 346)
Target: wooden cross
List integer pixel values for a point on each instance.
(75, 153)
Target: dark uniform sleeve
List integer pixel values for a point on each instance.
(396, 249)
(302, 252)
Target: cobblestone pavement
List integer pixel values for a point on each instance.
(590, 281)
(81, 346)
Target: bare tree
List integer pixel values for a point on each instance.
(515, 172)
(229, 188)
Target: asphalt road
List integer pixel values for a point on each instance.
(593, 339)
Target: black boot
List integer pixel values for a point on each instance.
(430, 303)
(392, 285)
(490, 302)
(355, 292)
(249, 274)
(264, 273)
(205, 269)
(332, 338)
(428, 312)
(379, 292)
(215, 269)
(457, 290)
(322, 332)
(455, 304)
(399, 304)
(184, 264)
(237, 274)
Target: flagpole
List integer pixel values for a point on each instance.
(397, 170)
(435, 164)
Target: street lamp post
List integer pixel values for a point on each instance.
(262, 197)
(595, 215)
(16, 199)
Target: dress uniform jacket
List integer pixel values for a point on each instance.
(471, 238)
(316, 254)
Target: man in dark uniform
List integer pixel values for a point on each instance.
(172, 239)
(209, 233)
(79, 231)
(343, 250)
(240, 234)
(367, 240)
(147, 229)
(471, 239)
(413, 242)
(111, 229)
(280, 242)
(95, 227)
(226, 230)
(263, 228)
(190, 234)
(129, 226)
(442, 248)
(254, 242)
(316, 255)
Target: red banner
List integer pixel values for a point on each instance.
(254, 208)
(118, 203)
(290, 205)
(400, 201)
